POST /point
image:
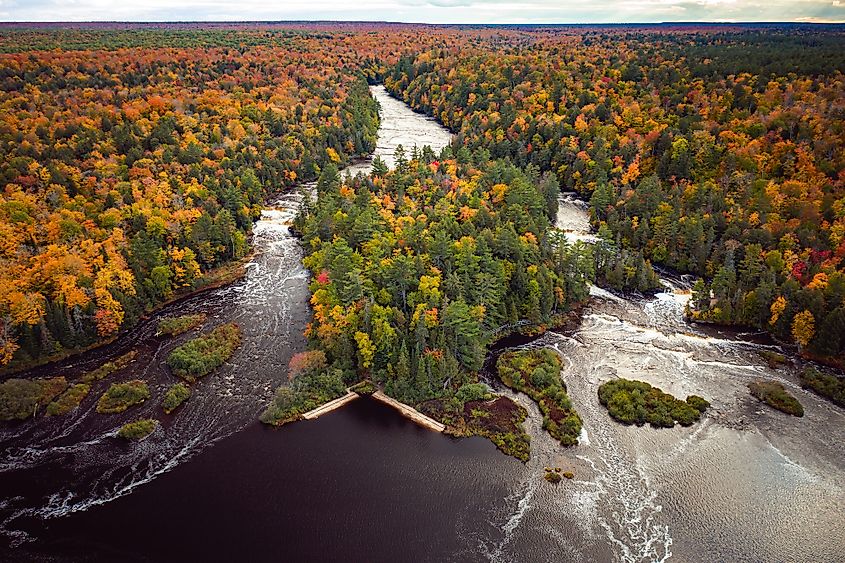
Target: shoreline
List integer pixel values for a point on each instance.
(407, 411)
(219, 277)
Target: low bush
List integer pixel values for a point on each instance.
(121, 396)
(137, 430)
(537, 374)
(202, 355)
(175, 396)
(68, 400)
(828, 386)
(365, 387)
(637, 402)
(698, 403)
(552, 477)
(775, 395)
(174, 326)
(774, 359)
(21, 398)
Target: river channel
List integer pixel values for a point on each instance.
(364, 484)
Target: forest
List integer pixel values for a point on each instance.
(716, 154)
(135, 160)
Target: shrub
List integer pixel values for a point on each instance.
(552, 477)
(537, 374)
(365, 387)
(774, 359)
(637, 402)
(306, 362)
(121, 396)
(21, 398)
(137, 430)
(775, 395)
(202, 355)
(698, 403)
(827, 385)
(473, 392)
(68, 400)
(175, 396)
(174, 326)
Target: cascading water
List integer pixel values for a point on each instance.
(687, 493)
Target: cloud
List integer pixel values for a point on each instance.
(431, 11)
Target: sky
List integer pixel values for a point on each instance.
(428, 11)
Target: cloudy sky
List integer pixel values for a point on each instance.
(431, 11)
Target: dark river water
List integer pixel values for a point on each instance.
(363, 484)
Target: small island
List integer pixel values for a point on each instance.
(200, 356)
(776, 396)
(637, 402)
(121, 396)
(137, 430)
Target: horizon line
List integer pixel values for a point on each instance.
(810, 22)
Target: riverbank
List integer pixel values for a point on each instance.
(211, 280)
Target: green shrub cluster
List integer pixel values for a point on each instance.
(202, 355)
(174, 326)
(773, 394)
(68, 400)
(537, 374)
(306, 392)
(121, 396)
(774, 359)
(21, 398)
(365, 387)
(109, 368)
(637, 402)
(138, 429)
(175, 396)
(827, 385)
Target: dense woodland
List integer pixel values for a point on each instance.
(418, 269)
(134, 161)
(719, 154)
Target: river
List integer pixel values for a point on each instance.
(362, 483)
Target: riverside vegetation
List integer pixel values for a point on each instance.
(537, 374)
(776, 396)
(416, 271)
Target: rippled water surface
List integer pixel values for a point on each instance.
(745, 484)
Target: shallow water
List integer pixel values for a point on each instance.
(745, 484)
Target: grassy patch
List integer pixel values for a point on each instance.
(773, 394)
(121, 396)
(497, 418)
(202, 355)
(175, 396)
(138, 429)
(174, 326)
(109, 368)
(21, 398)
(537, 374)
(637, 402)
(828, 386)
(68, 400)
(365, 387)
(775, 359)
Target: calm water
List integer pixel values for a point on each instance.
(364, 484)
